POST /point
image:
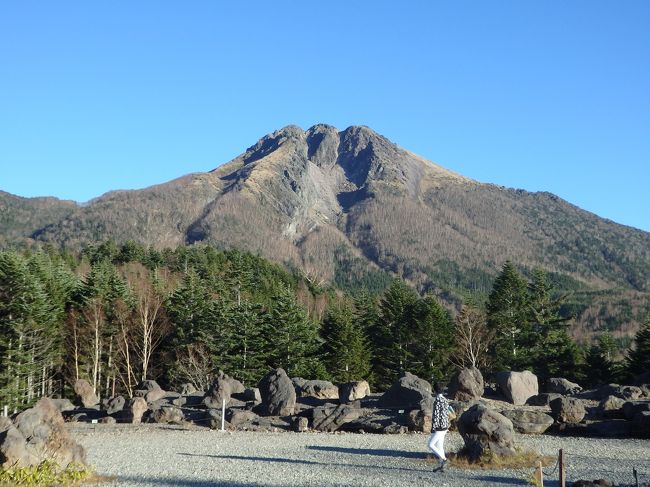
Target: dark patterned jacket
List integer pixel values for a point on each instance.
(440, 416)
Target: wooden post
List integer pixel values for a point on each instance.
(562, 471)
(539, 474)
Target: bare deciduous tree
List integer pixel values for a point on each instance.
(473, 339)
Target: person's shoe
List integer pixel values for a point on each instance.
(441, 468)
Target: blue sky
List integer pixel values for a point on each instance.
(545, 96)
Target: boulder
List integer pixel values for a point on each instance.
(237, 417)
(611, 407)
(467, 384)
(252, 394)
(108, 420)
(543, 399)
(63, 405)
(168, 414)
(419, 420)
(568, 410)
(219, 391)
(278, 394)
(212, 419)
(610, 428)
(85, 393)
(36, 435)
(409, 392)
(149, 390)
(353, 391)
(562, 386)
(115, 404)
(187, 388)
(300, 424)
(319, 389)
(375, 422)
(517, 387)
(331, 419)
(135, 409)
(485, 430)
(632, 408)
(528, 422)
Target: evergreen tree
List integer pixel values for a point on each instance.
(347, 349)
(433, 340)
(506, 317)
(638, 360)
(392, 336)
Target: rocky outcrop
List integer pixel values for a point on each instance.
(278, 394)
(353, 391)
(568, 410)
(467, 384)
(85, 393)
(486, 431)
(36, 435)
(517, 387)
(528, 422)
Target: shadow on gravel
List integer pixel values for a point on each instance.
(371, 451)
(496, 480)
(177, 482)
(303, 462)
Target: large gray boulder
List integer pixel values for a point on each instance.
(543, 399)
(63, 405)
(528, 422)
(85, 393)
(278, 394)
(353, 391)
(237, 417)
(149, 390)
(219, 391)
(568, 410)
(562, 386)
(115, 404)
(611, 407)
(467, 384)
(409, 392)
(169, 415)
(517, 387)
(135, 409)
(486, 431)
(331, 419)
(319, 389)
(36, 435)
(418, 420)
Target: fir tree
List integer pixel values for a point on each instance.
(638, 360)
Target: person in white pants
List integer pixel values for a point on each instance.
(439, 426)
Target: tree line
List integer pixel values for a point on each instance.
(118, 315)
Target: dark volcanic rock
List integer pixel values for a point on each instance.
(466, 384)
(517, 386)
(85, 393)
(409, 391)
(486, 430)
(353, 391)
(278, 394)
(568, 410)
(528, 422)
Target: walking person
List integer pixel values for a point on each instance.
(439, 426)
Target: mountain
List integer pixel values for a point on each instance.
(349, 204)
(21, 217)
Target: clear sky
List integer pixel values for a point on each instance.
(545, 96)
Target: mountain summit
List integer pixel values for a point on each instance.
(351, 201)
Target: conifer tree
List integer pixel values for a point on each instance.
(639, 354)
(347, 348)
(433, 339)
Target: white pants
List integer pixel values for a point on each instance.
(436, 443)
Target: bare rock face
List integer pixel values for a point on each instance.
(85, 393)
(518, 386)
(36, 435)
(528, 422)
(568, 410)
(409, 391)
(278, 394)
(467, 384)
(485, 430)
(136, 408)
(353, 391)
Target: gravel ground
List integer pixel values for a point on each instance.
(188, 457)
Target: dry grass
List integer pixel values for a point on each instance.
(522, 459)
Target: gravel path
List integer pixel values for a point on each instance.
(150, 455)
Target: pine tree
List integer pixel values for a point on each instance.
(638, 360)
(432, 340)
(346, 345)
(506, 317)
